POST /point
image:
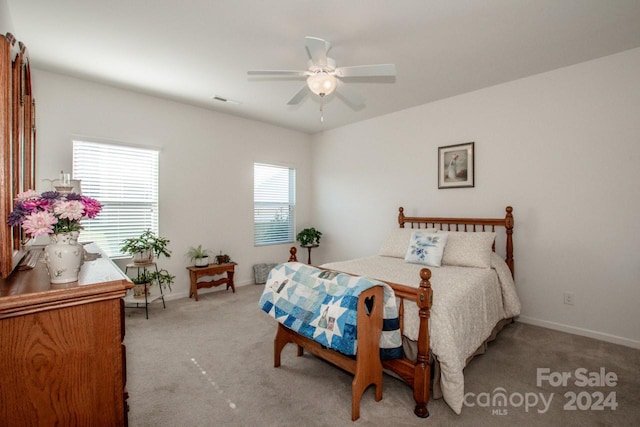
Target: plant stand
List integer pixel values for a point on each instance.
(309, 247)
(148, 299)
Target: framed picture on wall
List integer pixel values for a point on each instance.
(456, 166)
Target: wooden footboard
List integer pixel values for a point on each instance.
(417, 374)
(366, 366)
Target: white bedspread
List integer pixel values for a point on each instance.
(467, 304)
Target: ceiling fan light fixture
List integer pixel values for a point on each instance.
(322, 74)
(322, 83)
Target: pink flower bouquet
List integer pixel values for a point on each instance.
(51, 212)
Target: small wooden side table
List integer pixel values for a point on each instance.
(196, 273)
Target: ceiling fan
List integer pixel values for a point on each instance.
(323, 76)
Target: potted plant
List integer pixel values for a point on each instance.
(199, 256)
(163, 278)
(309, 237)
(144, 247)
(223, 258)
(141, 284)
(57, 215)
(145, 279)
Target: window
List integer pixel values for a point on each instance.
(125, 180)
(274, 202)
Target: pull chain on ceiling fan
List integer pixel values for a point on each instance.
(324, 77)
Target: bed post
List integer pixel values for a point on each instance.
(401, 217)
(293, 257)
(508, 220)
(422, 371)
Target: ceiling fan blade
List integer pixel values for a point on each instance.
(318, 49)
(299, 96)
(277, 73)
(378, 70)
(351, 96)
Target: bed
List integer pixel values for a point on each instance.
(474, 297)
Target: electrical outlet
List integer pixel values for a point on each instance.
(569, 298)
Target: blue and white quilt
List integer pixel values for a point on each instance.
(322, 305)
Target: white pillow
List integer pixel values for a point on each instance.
(426, 248)
(397, 242)
(472, 249)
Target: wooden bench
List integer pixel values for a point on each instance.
(366, 366)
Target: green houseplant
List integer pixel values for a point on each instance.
(199, 256)
(144, 247)
(309, 237)
(223, 258)
(145, 279)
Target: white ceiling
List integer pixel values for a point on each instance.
(191, 50)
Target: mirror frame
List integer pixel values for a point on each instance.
(17, 143)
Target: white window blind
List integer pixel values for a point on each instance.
(274, 202)
(125, 181)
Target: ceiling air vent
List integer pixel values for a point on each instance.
(227, 100)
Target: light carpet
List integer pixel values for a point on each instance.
(210, 363)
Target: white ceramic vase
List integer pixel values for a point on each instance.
(63, 257)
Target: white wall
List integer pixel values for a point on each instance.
(6, 23)
(563, 148)
(206, 163)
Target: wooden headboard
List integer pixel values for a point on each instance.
(467, 225)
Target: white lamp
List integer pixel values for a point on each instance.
(64, 184)
(322, 83)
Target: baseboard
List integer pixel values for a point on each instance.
(580, 331)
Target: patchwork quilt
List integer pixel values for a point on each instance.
(322, 305)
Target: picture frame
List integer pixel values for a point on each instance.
(456, 168)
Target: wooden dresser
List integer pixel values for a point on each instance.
(62, 359)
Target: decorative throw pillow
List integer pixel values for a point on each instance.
(398, 240)
(426, 248)
(471, 249)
